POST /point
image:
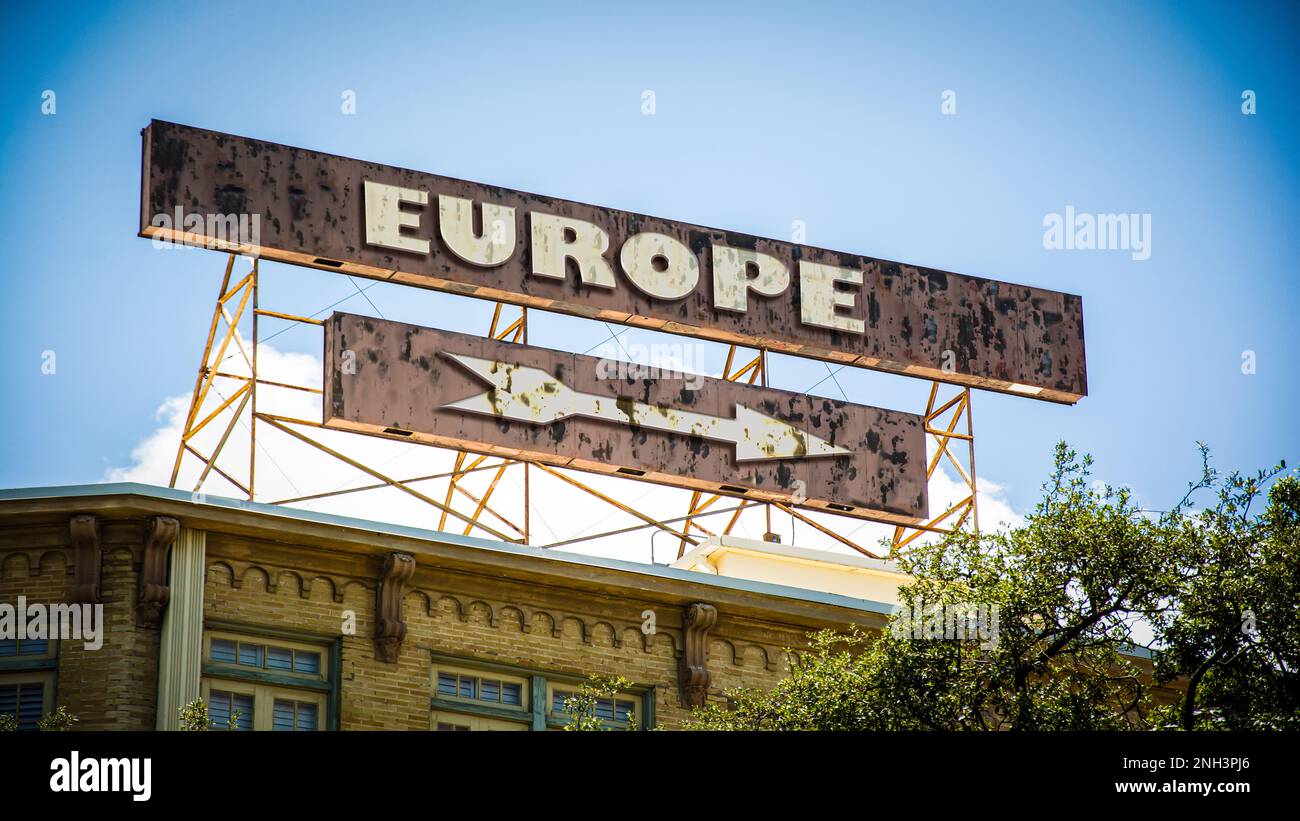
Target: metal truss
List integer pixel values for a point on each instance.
(945, 435)
(475, 510)
(516, 332)
(209, 372)
(756, 371)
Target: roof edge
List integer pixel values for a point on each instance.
(10, 496)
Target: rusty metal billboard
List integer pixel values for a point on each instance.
(523, 402)
(320, 210)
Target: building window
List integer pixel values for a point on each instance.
(467, 699)
(27, 679)
(230, 711)
(263, 683)
(26, 697)
(491, 689)
(259, 656)
(289, 715)
(469, 696)
(463, 723)
(261, 707)
(618, 711)
(25, 648)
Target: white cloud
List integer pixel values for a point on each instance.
(288, 468)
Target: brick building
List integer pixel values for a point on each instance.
(295, 619)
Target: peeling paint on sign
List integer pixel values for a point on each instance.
(525, 394)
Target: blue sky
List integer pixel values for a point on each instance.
(765, 114)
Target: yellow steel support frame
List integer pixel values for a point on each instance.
(945, 435)
(215, 350)
(516, 332)
(755, 370)
(245, 292)
(967, 507)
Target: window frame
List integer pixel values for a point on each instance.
(23, 661)
(536, 694)
(477, 723)
(264, 696)
(46, 678)
(556, 718)
(43, 667)
(525, 694)
(242, 640)
(321, 688)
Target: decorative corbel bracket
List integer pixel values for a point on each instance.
(87, 555)
(160, 535)
(389, 627)
(697, 621)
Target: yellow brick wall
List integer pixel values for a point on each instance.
(548, 629)
(114, 687)
(542, 628)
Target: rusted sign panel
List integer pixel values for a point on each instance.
(519, 401)
(392, 224)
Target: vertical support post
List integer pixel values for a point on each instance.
(538, 702)
(180, 651)
(970, 442)
(252, 420)
(768, 534)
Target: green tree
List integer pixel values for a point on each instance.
(1071, 589)
(1232, 643)
(830, 687)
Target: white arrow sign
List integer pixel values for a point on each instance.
(530, 394)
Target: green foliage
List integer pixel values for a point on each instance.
(1233, 642)
(57, 721)
(581, 706)
(1072, 588)
(829, 688)
(194, 717)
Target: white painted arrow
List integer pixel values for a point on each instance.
(529, 394)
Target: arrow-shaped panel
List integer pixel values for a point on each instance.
(527, 394)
